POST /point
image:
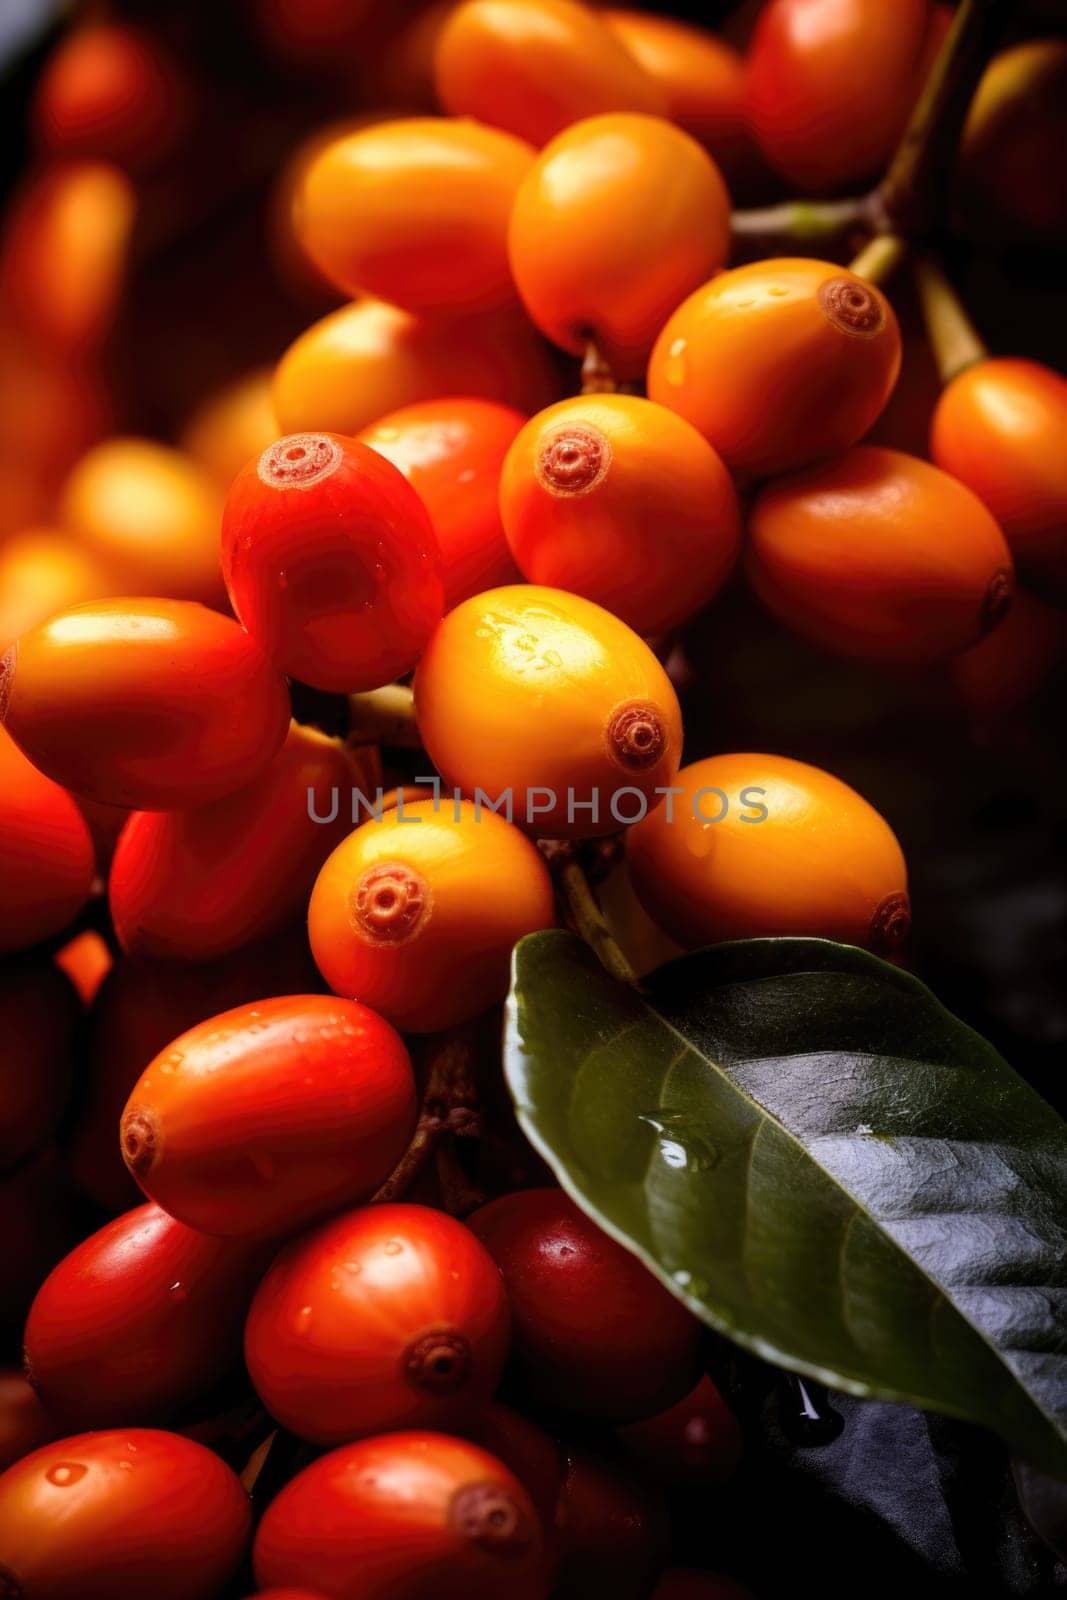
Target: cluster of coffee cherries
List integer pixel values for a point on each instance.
(242, 951)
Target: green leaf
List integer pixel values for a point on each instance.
(820, 1160)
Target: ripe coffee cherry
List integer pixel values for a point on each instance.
(779, 362)
(451, 452)
(1011, 180)
(150, 515)
(402, 1516)
(697, 1441)
(24, 1423)
(269, 1116)
(418, 913)
(831, 83)
(620, 500)
(198, 884)
(683, 1583)
(43, 571)
(232, 425)
(47, 861)
(619, 218)
(536, 66)
(331, 562)
(547, 695)
(612, 1533)
(879, 556)
(89, 694)
(592, 1330)
(366, 359)
(128, 1511)
(39, 1016)
(393, 1316)
(140, 1319)
(819, 861)
(415, 210)
(1013, 663)
(1000, 428)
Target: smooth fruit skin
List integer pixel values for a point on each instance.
(269, 1116)
(415, 210)
(1012, 664)
(880, 557)
(140, 1319)
(153, 704)
(418, 913)
(1011, 180)
(592, 1330)
(451, 451)
(151, 517)
(779, 362)
(47, 860)
(195, 885)
(388, 1317)
(620, 500)
(331, 562)
(831, 83)
(1000, 428)
(536, 66)
(368, 358)
(612, 1532)
(619, 219)
(402, 1516)
(126, 1511)
(39, 1017)
(24, 1423)
(543, 694)
(43, 571)
(821, 862)
(697, 1441)
(232, 425)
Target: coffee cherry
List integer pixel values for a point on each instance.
(151, 517)
(879, 556)
(24, 1423)
(232, 425)
(535, 1459)
(761, 846)
(620, 500)
(43, 571)
(419, 912)
(999, 427)
(198, 884)
(779, 362)
(545, 695)
(451, 452)
(535, 67)
(402, 1516)
(697, 1441)
(592, 1330)
(415, 210)
(393, 1316)
(831, 83)
(618, 219)
(47, 861)
(87, 694)
(1011, 181)
(140, 1319)
(269, 1116)
(1013, 663)
(128, 1511)
(683, 1583)
(612, 1533)
(39, 1015)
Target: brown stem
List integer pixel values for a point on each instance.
(879, 258)
(586, 915)
(459, 1194)
(797, 222)
(384, 716)
(597, 376)
(449, 1108)
(953, 337)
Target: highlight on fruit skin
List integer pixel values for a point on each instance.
(878, 556)
(418, 913)
(762, 846)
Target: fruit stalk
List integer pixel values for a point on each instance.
(806, 222)
(953, 337)
(587, 917)
(597, 376)
(449, 1108)
(879, 258)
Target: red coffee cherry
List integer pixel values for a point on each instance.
(47, 861)
(612, 1533)
(141, 1318)
(392, 1316)
(269, 1116)
(156, 704)
(331, 562)
(696, 1441)
(403, 1516)
(39, 1016)
(131, 1511)
(24, 1423)
(593, 1331)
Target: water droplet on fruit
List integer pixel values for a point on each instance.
(64, 1473)
(302, 1321)
(676, 367)
(393, 1248)
(178, 1291)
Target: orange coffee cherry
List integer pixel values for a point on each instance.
(451, 452)
(43, 571)
(619, 218)
(151, 516)
(368, 358)
(156, 704)
(415, 210)
(47, 861)
(779, 362)
(544, 696)
(759, 846)
(232, 425)
(536, 66)
(1000, 427)
(1011, 171)
(620, 500)
(879, 556)
(1013, 663)
(418, 913)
